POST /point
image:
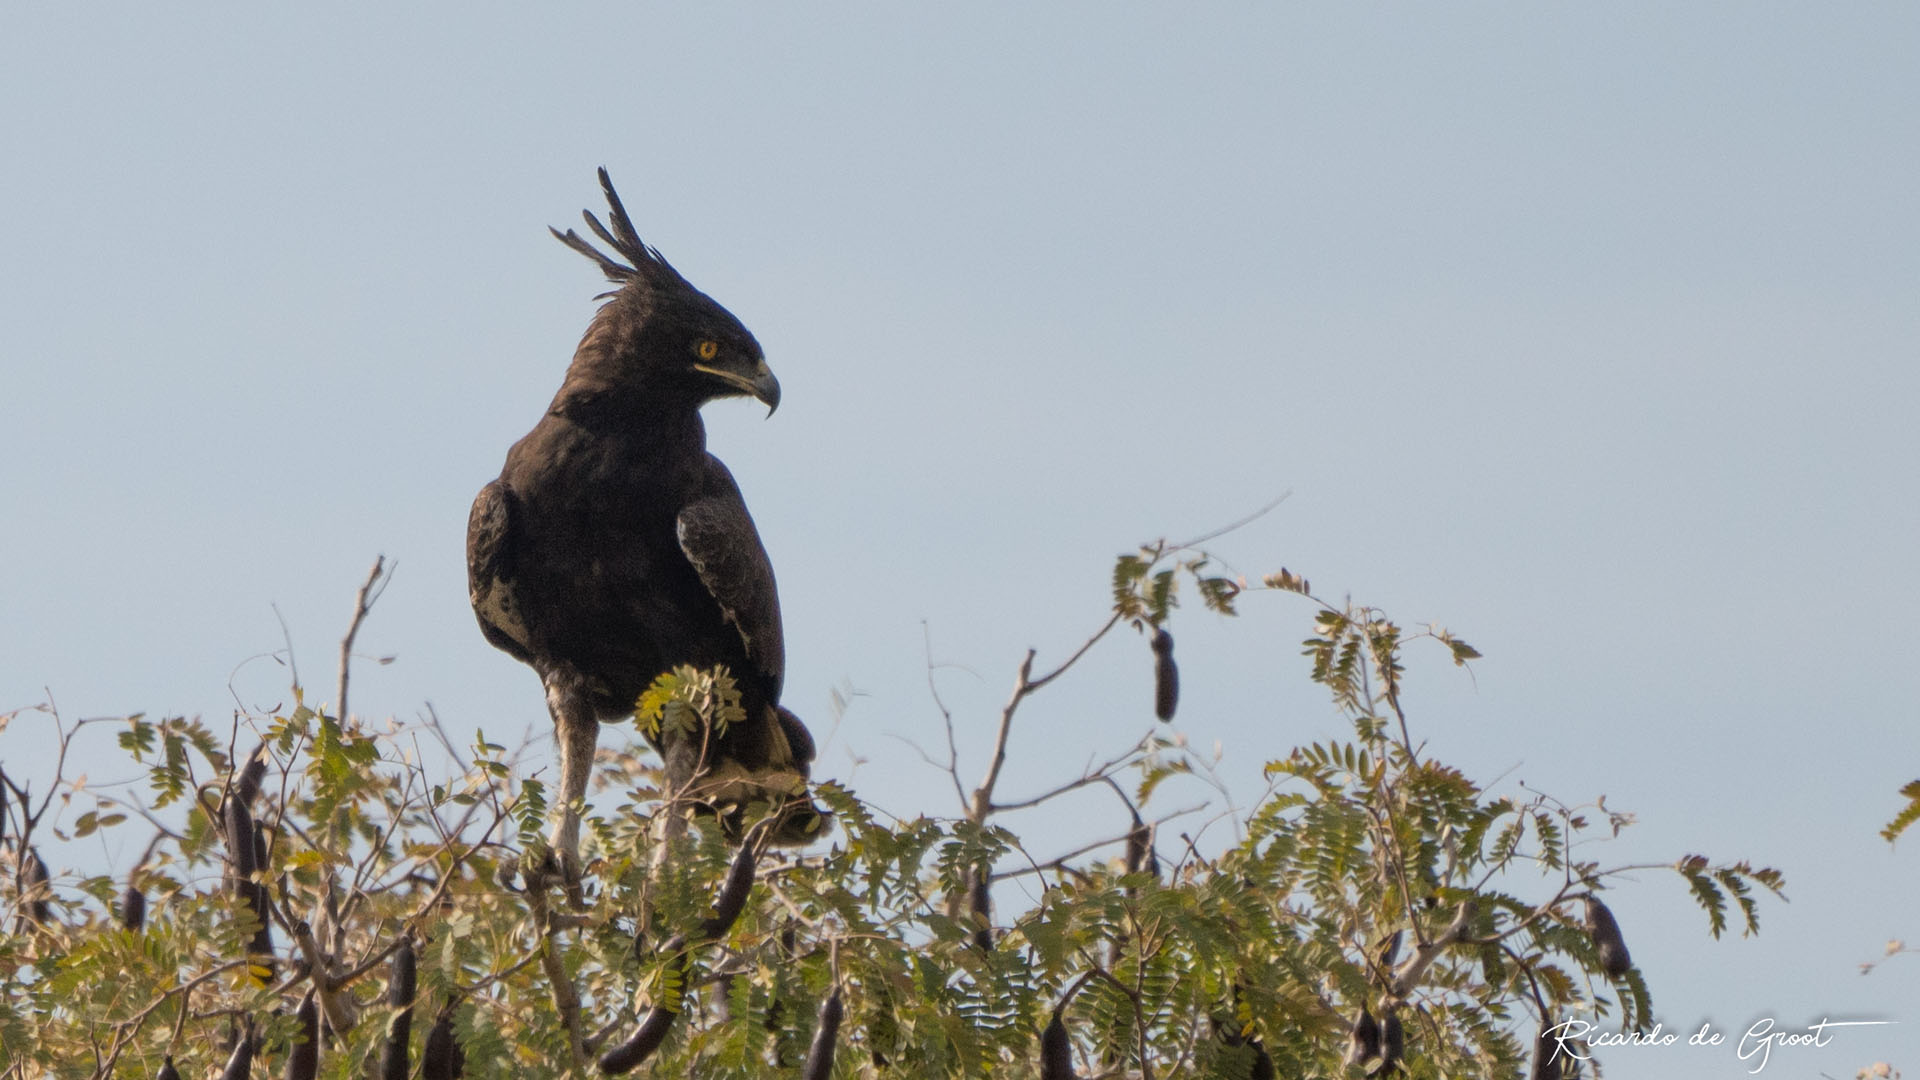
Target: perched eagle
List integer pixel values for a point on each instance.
(613, 548)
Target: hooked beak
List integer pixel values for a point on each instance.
(761, 385)
(766, 389)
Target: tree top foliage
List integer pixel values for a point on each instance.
(326, 896)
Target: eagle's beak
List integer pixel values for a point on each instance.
(766, 388)
(761, 384)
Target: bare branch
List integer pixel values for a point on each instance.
(1408, 974)
(363, 602)
(1098, 774)
(946, 717)
(982, 804)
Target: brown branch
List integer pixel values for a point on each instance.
(1059, 862)
(363, 602)
(982, 803)
(1409, 972)
(1112, 621)
(566, 999)
(131, 1026)
(1098, 774)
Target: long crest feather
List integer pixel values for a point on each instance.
(644, 263)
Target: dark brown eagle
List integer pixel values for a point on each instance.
(614, 548)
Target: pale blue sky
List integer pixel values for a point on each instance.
(1589, 334)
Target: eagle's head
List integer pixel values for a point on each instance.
(658, 338)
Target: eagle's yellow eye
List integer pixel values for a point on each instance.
(707, 350)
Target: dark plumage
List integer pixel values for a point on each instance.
(614, 548)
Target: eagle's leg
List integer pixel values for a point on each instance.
(576, 729)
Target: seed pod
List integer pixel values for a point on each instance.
(240, 850)
(441, 1058)
(39, 909)
(733, 894)
(1607, 942)
(819, 1064)
(646, 1039)
(257, 897)
(1549, 1061)
(167, 1071)
(133, 907)
(980, 902)
(1363, 1041)
(246, 786)
(400, 989)
(1393, 1044)
(1389, 949)
(240, 1062)
(303, 1057)
(1166, 675)
(1056, 1051)
(1262, 1064)
(1140, 848)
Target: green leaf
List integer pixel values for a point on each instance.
(1907, 816)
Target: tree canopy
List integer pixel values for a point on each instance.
(347, 897)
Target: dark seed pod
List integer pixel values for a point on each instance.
(441, 1058)
(39, 909)
(1389, 949)
(1140, 848)
(1262, 1064)
(255, 893)
(819, 1064)
(1056, 1051)
(646, 1039)
(1393, 1044)
(667, 948)
(240, 1062)
(1549, 1060)
(241, 853)
(1607, 942)
(246, 786)
(733, 894)
(980, 902)
(167, 1071)
(1166, 675)
(1363, 1041)
(133, 907)
(400, 989)
(303, 1057)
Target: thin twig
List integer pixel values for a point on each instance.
(1043, 680)
(1240, 524)
(1103, 772)
(946, 717)
(363, 602)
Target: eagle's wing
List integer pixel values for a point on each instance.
(719, 539)
(490, 572)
